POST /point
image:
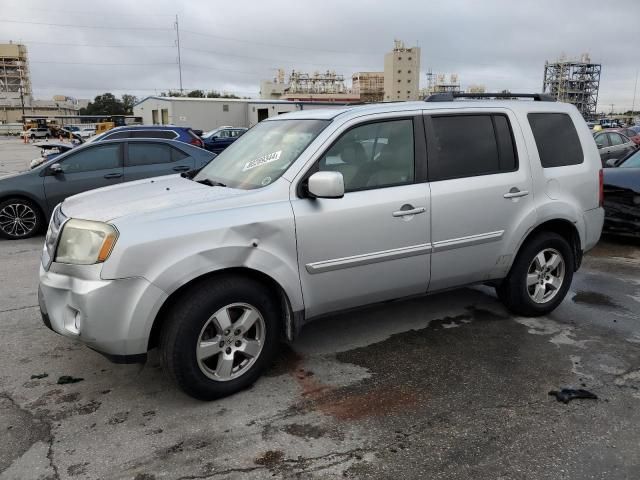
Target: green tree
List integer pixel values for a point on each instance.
(105, 104)
(171, 93)
(128, 101)
(196, 94)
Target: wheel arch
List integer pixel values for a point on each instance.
(290, 325)
(565, 228)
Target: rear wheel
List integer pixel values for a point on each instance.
(220, 336)
(19, 218)
(540, 277)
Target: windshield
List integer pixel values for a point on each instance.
(263, 154)
(210, 133)
(632, 162)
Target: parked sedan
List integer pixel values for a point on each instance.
(622, 197)
(28, 198)
(613, 145)
(630, 133)
(220, 138)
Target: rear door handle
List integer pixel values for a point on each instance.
(515, 193)
(410, 211)
(181, 168)
(113, 175)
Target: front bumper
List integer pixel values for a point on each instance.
(113, 317)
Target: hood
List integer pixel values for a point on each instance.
(626, 178)
(143, 196)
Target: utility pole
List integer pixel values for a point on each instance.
(612, 105)
(635, 87)
(179, 59)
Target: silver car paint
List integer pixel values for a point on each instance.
(173, 230)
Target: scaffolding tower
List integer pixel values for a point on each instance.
(327, 82)
(574, 81)
(14, 71)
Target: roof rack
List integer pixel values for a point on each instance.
(451, 96)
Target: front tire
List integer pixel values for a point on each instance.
(220, 336)
(540, 276)
(19, 218)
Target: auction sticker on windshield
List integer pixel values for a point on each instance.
(271, 157)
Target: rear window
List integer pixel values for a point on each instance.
(470, 145)
(556, 138)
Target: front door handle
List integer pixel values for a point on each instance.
(409, 211)
(113, 175)
(181, 168)
(515, 193)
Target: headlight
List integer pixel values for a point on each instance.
(84, 243)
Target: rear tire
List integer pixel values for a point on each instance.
(20, 218)
(206, 343)
(540, 276)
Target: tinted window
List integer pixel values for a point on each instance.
(632, 162)
(177, 154)
(615, 139)
(113, 136)
(169, 134)
(373, 155)
(602, 140)
(470, 145)
(101, 157)
(556, 138)
(148, 154)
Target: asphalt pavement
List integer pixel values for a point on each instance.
(445, 386)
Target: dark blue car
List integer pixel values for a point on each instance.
(168, 132)
(217, 140)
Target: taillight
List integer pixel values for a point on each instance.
(197, 142)
(601, 188)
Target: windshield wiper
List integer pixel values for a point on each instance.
(211, 183)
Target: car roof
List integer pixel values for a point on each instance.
(149, 127)
(523, 106)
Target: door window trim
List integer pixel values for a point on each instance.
(419, 154)
(431, 154)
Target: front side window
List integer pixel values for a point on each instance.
(148, 154)
(616, 139)
(102, 157)
(262, 154)
(470, 145)
(556, 138)
(374, 155)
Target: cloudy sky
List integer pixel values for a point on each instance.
(84, 48)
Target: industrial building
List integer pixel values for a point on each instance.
(368, 86)
(442, 83)
(402, 73)
(574, 81)
(209, 113)
(15, 80)
(304, 87)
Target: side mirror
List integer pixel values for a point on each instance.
(326, 185)
(55, 169)
(612, 162)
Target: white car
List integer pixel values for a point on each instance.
(87, 132)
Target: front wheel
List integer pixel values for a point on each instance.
(540, 276)
(220, 336)
(19, 218)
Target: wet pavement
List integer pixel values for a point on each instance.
(446, 386)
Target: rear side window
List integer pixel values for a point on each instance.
(470, 145)
(556, 138)
(148, 154)
(116, 135)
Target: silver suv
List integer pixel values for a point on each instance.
(323, 210)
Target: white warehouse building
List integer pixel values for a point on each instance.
(209, 113)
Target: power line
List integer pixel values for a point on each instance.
(103, 64)
(84, 26)
(242, 40)
(26, 42)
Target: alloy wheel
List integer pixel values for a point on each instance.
(230, 341)
(17, 219)
(545, 276)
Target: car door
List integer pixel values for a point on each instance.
(481, 195)
(150, 158)
(84, 169)
(373, 244)
(604, 146)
